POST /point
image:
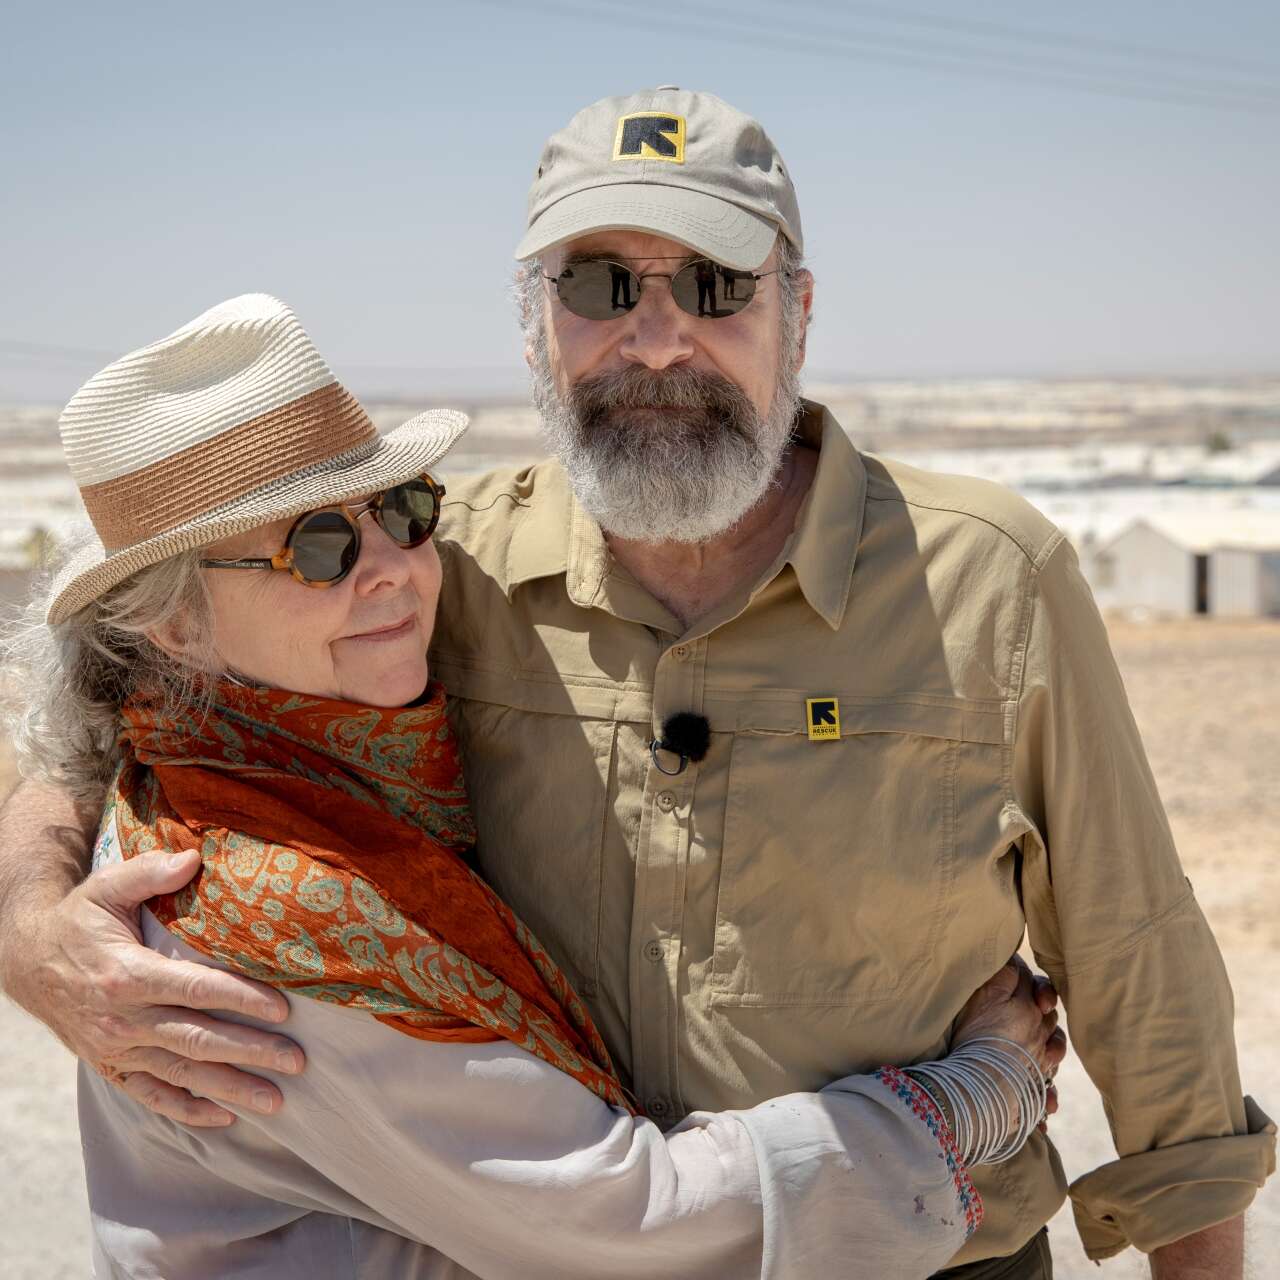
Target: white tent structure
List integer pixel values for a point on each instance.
(1224, 563)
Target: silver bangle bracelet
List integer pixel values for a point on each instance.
(996, 1094)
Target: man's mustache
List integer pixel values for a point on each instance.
(724, 402)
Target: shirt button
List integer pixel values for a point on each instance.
(680, 653)
(656, 1107)
(666, 801)
(654, 951)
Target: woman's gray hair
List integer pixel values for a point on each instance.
(64, 686)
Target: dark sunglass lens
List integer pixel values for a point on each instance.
(704, 288)
(408, 512)
(598, 290)
(324, 547)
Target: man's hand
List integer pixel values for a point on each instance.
(129, 1013)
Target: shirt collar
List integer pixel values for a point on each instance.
(539, 546)
(557, 536)
(824, 547)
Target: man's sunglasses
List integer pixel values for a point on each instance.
(598, 289)
(323, 546)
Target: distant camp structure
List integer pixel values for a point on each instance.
(1222, 564)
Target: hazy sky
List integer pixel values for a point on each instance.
(369, 162)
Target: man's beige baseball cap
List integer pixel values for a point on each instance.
(675, 162)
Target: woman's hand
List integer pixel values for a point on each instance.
(1020, 1007)
(1016, 1005)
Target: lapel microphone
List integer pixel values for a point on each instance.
(685, 735)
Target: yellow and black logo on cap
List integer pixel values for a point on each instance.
(650, 135)
(823, 718)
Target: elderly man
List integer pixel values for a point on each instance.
(777, 746)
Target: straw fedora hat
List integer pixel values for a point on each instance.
(233, 421)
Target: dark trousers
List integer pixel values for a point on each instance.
(1031, 1262)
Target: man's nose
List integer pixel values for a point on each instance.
(658, 333)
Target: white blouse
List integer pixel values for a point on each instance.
(418, 1160)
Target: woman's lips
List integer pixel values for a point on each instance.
(393, 632)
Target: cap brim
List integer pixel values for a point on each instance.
(720, 229)
(408, 451)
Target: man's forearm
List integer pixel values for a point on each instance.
(1216, 1253)
(45, 838)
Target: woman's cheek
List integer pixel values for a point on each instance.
(307, 619)
(428, 576)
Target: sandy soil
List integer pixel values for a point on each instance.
(1207, 698)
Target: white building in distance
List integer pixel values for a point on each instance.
(1220, 563)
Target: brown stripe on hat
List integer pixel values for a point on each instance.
(175, 490)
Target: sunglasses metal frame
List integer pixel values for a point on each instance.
(283, 559)
(754, 276)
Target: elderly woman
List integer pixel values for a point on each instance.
(239, 658)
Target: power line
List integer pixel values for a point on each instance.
(886, 52)
(1255, 94)
(1059, 39)
(14, 353)
(38, 350)
(958, 59)
(55, 353)
(436, 370)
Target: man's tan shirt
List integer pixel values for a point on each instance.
(793, 909)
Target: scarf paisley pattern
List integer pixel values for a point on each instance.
(332, 839)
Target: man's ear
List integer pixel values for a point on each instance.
(526, 320)
(804, 280)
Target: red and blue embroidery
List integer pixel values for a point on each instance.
(921, 1105)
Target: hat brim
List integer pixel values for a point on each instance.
(722, 230)
(408, 451)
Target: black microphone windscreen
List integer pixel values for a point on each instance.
(687, 734)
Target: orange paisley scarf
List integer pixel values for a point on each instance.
(332, 838)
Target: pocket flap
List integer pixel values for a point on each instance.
(921, 714)
(728, 710)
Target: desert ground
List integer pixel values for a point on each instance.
(1207, 698)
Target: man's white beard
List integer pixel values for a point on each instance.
(682, 472)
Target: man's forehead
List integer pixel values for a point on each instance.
(623, 244)
(626, 246)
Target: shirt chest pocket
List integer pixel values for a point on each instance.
(841, 879)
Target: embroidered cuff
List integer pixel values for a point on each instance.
(922, 1106)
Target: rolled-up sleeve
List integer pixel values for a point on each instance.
(1112, 918)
